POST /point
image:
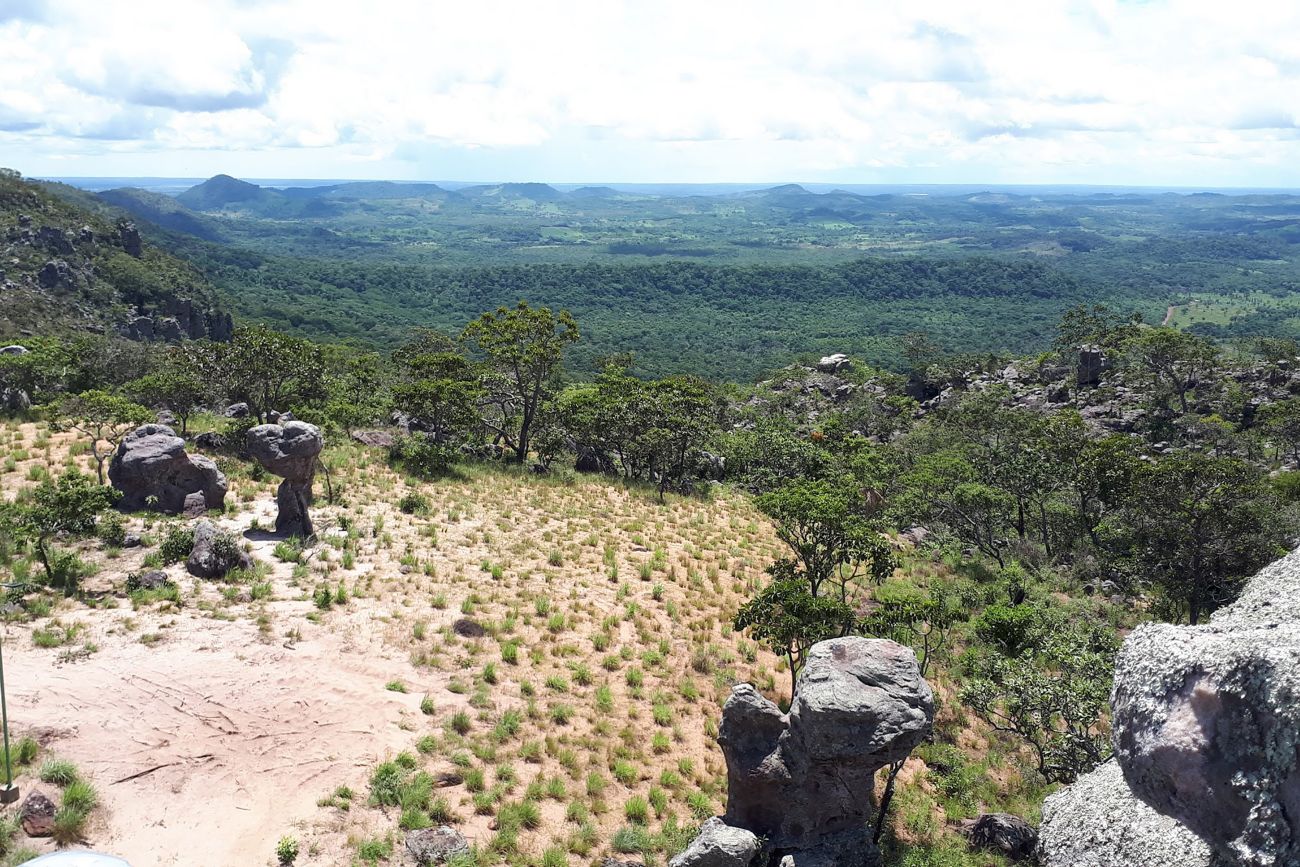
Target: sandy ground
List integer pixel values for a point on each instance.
(209, 745)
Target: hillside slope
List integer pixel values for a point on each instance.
(69, 263)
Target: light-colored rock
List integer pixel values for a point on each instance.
(214, 553)
(1206, 725)
(1098, 822)
(430, 846)
(804, 782)
(718, 845)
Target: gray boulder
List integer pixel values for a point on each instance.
(1206, 729)
(152, 470)
(215, 554)
(719, 845)
(804, 781)
(290, 451)
(1207, 726)
(129, 237)
(429, 846)
(237, 410)
(1090, 365)
(14, 349)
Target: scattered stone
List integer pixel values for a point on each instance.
(210, 441)
(430, 846)
(1010, 835)
(132, 540)
(152, 470)
(215, 553)
(615, 862)
(237, 410)
(466, 628)
(37, 815)
(154, 580)
(719, 845)
(376, 438)
(14, 349)
(290, 451)
(915, 535)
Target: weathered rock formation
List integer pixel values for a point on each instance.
(152, 470)
(1207, 742)
(803, 782)
(290, 451)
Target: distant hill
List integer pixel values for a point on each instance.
(221, 190)
(71, 262)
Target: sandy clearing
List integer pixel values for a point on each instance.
(232, 746)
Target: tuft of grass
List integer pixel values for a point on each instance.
(59, 772)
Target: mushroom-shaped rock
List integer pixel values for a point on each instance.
(152, 470)
(804, 781)
(291, 451)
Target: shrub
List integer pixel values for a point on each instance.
(422, 456)
(111, 529)
(176, 545)
(286, 851)
(1009, 629)
(414, 503)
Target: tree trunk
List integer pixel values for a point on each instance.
(883, 812)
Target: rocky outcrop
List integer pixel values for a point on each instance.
(153, 471)
(803, 782)
(291, 451)
(1207, 743)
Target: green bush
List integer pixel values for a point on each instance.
(1009, 629)
(177, 544)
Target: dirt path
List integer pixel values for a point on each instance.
(1169, 314)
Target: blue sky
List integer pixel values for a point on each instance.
(1188, 93)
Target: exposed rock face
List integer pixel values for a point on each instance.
(214, 554)
(290, 451)
(718, 845)
(1098, 822)
(377, 438)
(151, 462)
(804, 781)
(430, 846)
(833, 363)
(1207, 737)
(1092, 362)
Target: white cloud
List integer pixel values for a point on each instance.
(1193, 92)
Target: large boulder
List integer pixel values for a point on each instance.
(1090, 365)
(719, 845)
(1206, 727)
(153, 471)
(804, 781)
(291, 451)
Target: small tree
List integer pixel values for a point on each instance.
(105, 419)
(523, 347)
(1056, 703)
(178, 384)
(67, 507)
(268, 370)
(815, 594)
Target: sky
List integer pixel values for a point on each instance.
(1198, 93)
